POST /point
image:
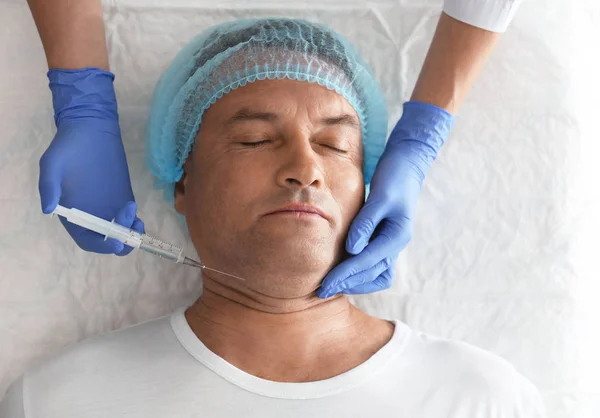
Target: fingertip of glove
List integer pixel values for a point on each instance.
(49, 197)
(358, 236)
(118, 247)
(131, 207)
(356, 248)
(125, 251)
(126, 215)
(48, 209)
(356, 244)
(138, 225)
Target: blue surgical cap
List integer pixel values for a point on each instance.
(230, 55)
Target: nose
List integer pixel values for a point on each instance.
(301, 165)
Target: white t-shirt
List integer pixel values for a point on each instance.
(159, 368)
(492, 15)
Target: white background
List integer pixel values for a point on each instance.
(505, 253)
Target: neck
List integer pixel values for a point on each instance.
(300, 339)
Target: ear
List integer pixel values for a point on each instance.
(180, 188)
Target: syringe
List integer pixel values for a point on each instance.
(130, 237)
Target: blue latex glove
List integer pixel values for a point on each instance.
(85, 166)
(384, 225)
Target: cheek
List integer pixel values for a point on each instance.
(348, 189)
(225, 187)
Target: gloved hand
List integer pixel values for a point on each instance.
(384, 225)
(85, 166)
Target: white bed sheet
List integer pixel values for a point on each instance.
(505, 253)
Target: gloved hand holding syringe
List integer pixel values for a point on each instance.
(130, 237)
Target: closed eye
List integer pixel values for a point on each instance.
(266, 141)
(335, 149)
(254, 144)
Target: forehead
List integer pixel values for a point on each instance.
(282, 97)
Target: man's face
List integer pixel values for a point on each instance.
(260, 148)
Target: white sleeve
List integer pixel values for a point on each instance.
(492, 15)
(11, 406)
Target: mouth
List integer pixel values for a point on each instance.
(295, 213)
(299, 211)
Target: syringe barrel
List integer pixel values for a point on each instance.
(162, 249)
(125, 235)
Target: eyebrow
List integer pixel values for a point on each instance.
(347, 120)
(244, 115)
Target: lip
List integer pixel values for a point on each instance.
(299, 207)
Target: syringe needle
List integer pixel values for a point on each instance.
(222, 272)
(194, 263)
